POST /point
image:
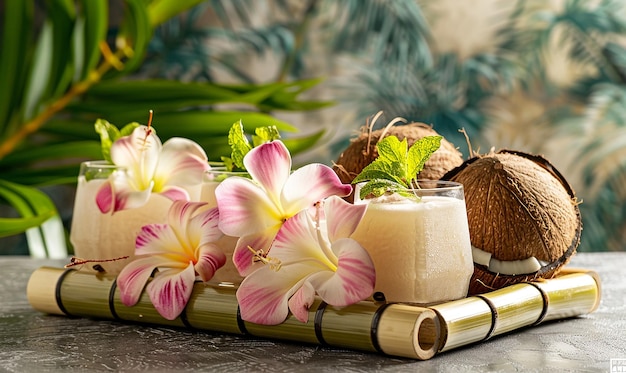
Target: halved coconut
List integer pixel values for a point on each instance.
(362, 151)
(523, 218)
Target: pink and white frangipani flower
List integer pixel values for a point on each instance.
(179, 250)
(305, 262)
(255, 210)
(151, 167)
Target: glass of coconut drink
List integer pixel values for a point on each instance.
(105, 241)
(420, 246)
(415, 231)
(232, 166)
(228, 274)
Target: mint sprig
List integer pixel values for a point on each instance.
(396, 167)
(109, 133)
(240, 145)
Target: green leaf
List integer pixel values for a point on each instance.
(40, 71)
(135, 91)
(420, 152)
(228, 163)
(286, 98)
(239, 144)
(396, 167)
(211, 123)
(375, 172)
(128, 129)
(299, 144)
(390, 149)
(108, 134)
(71, 129)
(46, 154)
(376, 188)
(40, 220)
(165, 91)
(33, 205)
(95, 15)
(16, 39)
(13, 226)
(193, 124)
(137, 31)
(62, 14)
(162, 10)
(391, 163)
(265, 134)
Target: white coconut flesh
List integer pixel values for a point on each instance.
(507, 267)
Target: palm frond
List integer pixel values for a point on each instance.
(185, 48)
(603, 216)
(47, 113)
(391, 32)
(585, 27)
(449, 95)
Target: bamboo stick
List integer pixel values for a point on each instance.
(394, 329)
(463, 322)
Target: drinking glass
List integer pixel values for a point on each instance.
(228, 274)
(420, 247)
(103, 239)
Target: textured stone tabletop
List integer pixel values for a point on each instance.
(34, 342)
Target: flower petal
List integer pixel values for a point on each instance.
(342, 218)
(244, 207)
(155, 239)
(354, 279)
(133, 278)
(182, 162)
(170, 291)
(263, 295)
(139, 153)
(301, 301)
(131, 199)
(118, 194)
(174, 193)
(243, 256)
(210, 259)
(310, 184)
(177, 145)
(206, 225)
(297, 240)
(269, 164)
(179, 217)
(104, 197)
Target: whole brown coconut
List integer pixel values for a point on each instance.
(362, 151)
(518, 206)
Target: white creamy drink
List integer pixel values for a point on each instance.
(421, 250)
(207, 193)
(98, 236)
(227, 274)
(95, 235)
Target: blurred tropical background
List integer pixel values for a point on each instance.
(540, 76)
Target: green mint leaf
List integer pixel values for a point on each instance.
(128, 129)
(239, 144)
(108, 134)
(377, 187)
(391, 161)
(419, 153)
(391, 149)
(396, 166)
(265, 134)
(379, 170)
(228, 163)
